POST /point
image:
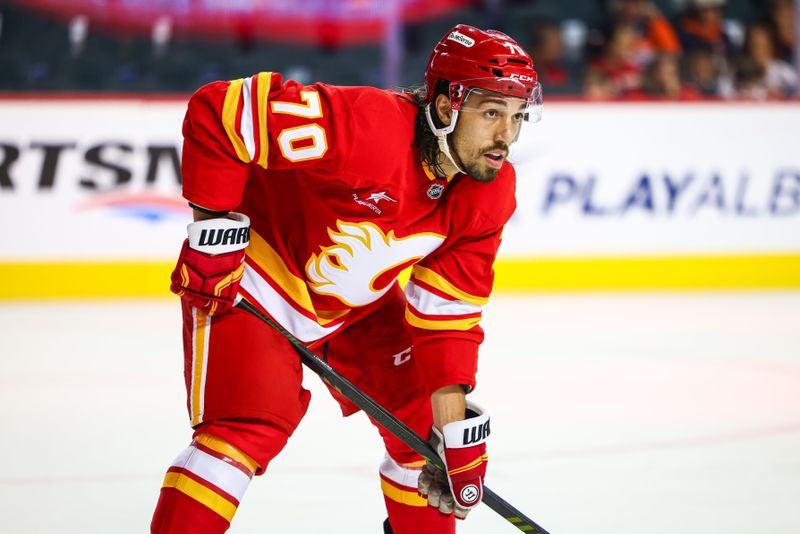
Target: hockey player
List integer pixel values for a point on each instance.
(308, 202)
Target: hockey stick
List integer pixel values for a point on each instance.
(387, 420)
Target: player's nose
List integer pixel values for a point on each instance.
(505, 132)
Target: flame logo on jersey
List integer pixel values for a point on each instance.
(363, 261)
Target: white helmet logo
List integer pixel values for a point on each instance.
(462, 39)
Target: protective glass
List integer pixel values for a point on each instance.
(500, 111)
(520, 97)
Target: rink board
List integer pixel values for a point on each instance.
(610, 196)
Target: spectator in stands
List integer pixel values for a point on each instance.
(617, 68)
(749, 81)
(702, 27)
(654, 34)
(780, 80)
(783, 25)
(556, 74)
(663, 80)
(597, 86)
(702, 73)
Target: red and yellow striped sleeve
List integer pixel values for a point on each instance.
(435, 303)
(259, 121)
(445, 298)
(447, 291)
(221, 137)
(244, 117)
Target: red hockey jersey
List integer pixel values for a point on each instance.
(340, 204)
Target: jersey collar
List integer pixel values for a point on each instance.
(432, 177)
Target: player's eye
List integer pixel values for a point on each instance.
(490, 113)
(519, 117)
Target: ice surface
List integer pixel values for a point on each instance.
(617, 414)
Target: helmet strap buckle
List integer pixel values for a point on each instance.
(442, 133)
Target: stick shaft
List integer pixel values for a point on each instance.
(387, 420)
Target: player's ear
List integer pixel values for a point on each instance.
(443, 110)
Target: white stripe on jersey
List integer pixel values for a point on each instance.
(428, 303)
(301, 327)
(247, 119)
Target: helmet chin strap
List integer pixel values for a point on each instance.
(442, 133)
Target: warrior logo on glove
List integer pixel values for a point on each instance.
(230, 236)
(470, 493)
(476, 433)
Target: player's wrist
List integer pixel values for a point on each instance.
(201, 212)
(448, 404)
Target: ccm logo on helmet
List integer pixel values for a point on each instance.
(461, 38)
(521, 77)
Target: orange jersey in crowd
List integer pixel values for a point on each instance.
(340, 204)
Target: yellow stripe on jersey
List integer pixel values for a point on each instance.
(265, 257)
(263, 82)
(229, 109)
(325, 317)
(201, 325)
(411, 498)
(201, 494)
(226, 449)
(436, 280)
(448, 324)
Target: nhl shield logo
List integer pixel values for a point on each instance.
(435, 191)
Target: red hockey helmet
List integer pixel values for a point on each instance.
(471, 58)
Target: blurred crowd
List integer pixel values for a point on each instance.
(597, 49)
(639, 53)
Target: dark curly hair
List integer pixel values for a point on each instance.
(424, 139)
